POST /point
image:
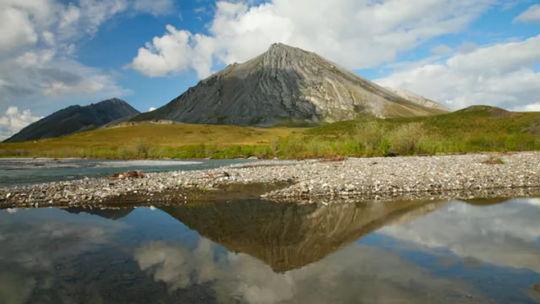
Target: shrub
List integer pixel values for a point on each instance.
(142, 149)
(404, 139)
(372, 136)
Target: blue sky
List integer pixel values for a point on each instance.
(54, 53)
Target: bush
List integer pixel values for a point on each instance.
(372, 138)
(405, 139)
(142, 149)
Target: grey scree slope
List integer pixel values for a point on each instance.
(284, 84)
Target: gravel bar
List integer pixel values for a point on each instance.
(451, 176)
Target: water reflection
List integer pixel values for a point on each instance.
(112, 214)
(289, 236)
(358, 273)
(260, 252)
(34, 244)
(507, 235)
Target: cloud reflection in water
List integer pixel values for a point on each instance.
(505, 234)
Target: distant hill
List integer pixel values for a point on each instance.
(285, 84)
(75, 119)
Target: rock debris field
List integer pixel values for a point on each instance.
(453, 176)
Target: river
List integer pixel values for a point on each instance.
(251, 251)
(17, 171)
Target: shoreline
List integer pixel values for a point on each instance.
(306, 181)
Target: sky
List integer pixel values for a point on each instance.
(55, 53)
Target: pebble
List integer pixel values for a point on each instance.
(309, 179)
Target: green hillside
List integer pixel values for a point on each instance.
(475, 129)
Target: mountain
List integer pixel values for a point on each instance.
(281, 85)
(76, 118)
(420, 100)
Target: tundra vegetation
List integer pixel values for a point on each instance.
(475, 129)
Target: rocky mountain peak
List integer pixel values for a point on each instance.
(284, 84)
(280, 49)
(114, 100)
(280, 55)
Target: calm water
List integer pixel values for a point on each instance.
(260, 252)
(27, 171)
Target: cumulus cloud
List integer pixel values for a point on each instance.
(177, 50)
(39, 79)
(36, 62)
(532, 14)
(502, 74)
(356, 34)
(14, 120)
(15, 30)
(38, 45)
(86, 17)
(51, 23)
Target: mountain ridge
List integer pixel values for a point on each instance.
(418, 99)
(76, 118)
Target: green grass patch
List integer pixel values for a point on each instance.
(476, 129)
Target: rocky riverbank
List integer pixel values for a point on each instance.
(453, 176)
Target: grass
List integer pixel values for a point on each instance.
(476, 129)
(148, 140)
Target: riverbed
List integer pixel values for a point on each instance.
(309, 181)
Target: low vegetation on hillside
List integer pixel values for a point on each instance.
(473, 129)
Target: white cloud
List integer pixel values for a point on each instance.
(41, 79)
(38, 44)
(154, 7)
(533, 107)
(532, 14)
(16, 30)
(177, 50)
(87, 16)
(357, 34)
(14, 120)
(502, 75)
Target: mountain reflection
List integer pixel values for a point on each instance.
(290, 236)
(111, 214)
